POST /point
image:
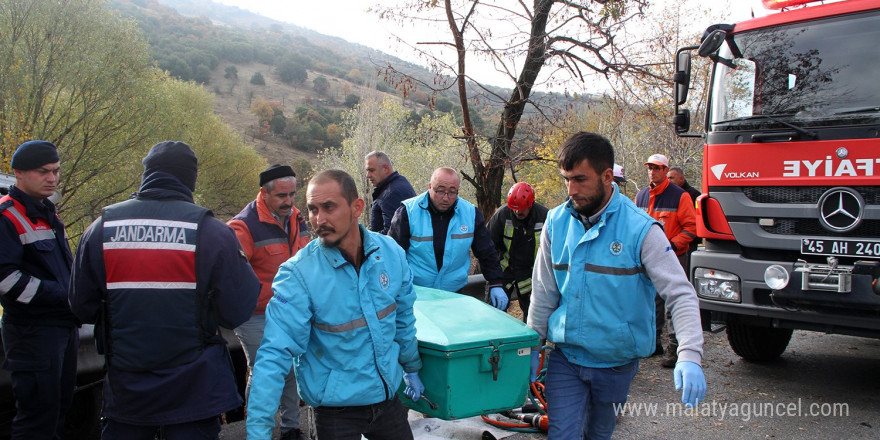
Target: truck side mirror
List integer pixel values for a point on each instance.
(682, 77)
(711, 43)
(682, 120)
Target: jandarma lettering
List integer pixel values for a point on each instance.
(159, 234)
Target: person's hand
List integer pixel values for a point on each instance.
(414, 387)
(689, 378)
(498, 297)
(536, 360)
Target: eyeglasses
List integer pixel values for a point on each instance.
(451, 194)
(652, 167)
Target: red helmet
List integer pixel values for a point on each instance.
(520, 197)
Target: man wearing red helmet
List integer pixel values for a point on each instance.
(515, 229)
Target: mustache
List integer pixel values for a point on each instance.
(284, 207)
(325, 229)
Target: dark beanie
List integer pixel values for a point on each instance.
(275, 172)
(175, 158)
(33, 154)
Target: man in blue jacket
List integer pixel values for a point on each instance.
(600, 263)
(437, 229)
(390, 188)
(342, 314)
(158, 274)
(40, 335)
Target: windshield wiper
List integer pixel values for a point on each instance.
(873, 109)
(773, 118)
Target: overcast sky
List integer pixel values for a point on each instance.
(349, 20)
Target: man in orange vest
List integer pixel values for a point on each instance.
(673, 208)
(271, 230)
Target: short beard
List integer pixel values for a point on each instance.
(592, 207)
(331, 244)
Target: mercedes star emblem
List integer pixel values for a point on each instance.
(841, 209)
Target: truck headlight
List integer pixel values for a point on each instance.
(776, 277)
(717, 285)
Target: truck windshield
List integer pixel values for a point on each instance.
(810, 73)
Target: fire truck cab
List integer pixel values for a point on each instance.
(790, 211)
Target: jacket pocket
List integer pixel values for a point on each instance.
(611, 342)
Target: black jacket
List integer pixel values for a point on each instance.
(523, 244)
(386, 199)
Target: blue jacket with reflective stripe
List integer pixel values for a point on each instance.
(35, 262)
(350, 334)
(605, 316)
(456, 255)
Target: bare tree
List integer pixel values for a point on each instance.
(531, 45)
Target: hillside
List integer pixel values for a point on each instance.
(199, 40)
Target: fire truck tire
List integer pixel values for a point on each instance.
(757, 344)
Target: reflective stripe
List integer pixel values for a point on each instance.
(21, 220)
(381, 314)
(149, 245)
(29, 291)
(269, 241)
(607, 270)
(458, 236)
(151, 222)
(150, 285)
(426, 238)
(666, 209)
(524, 286)
(357, 323)
(34, 236)
(507, 235)
(10, 281)
(30, 235)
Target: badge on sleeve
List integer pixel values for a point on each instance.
(383, 280)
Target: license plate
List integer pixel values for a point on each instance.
(841, 247)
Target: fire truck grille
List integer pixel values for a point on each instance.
(811, 227)
(803, 194)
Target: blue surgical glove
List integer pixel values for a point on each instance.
(689, 378)
(414, 387)
(536, 360)
(498, 297)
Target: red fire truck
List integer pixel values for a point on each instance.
(790, 211)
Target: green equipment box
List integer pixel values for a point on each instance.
(475, 358)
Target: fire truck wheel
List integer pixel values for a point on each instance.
(757, 344)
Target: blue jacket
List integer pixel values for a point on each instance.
(605, 315)
(386, 199)
(35, 262)
(349, 334)
(452, 276)
(204, 387)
